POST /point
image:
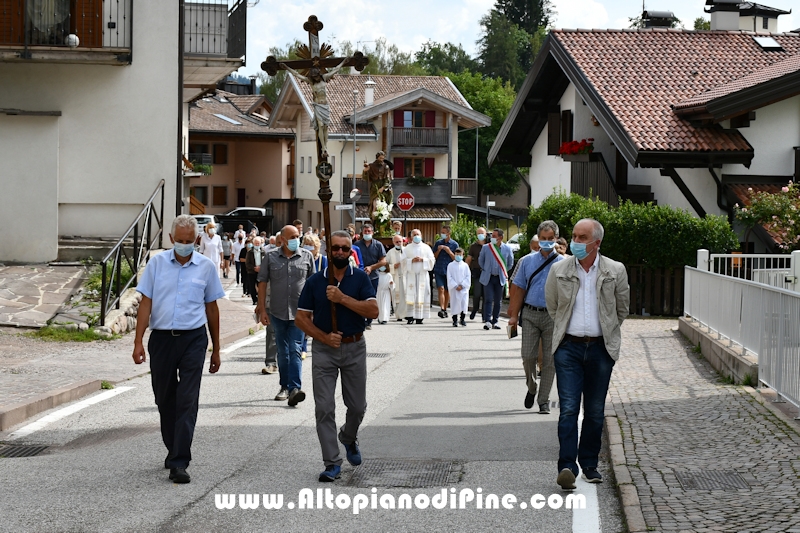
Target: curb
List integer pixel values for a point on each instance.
(631, 507)
(786, 419)
(19, 412)
(16, 413)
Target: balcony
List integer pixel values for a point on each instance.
(66, 31)
(441, 191)
(420, 138)
(214, 42)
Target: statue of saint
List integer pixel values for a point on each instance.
(379, 176)
(322, 111)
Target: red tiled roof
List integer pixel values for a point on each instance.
(203, 117)
(244, 102)
(638, 74)
(774, 71)
(340, 94)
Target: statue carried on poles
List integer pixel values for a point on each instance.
(378, 175)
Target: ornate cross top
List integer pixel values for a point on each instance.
(314, 55)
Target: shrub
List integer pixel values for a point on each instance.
(462, 230)
(639, 234)
(94, 282)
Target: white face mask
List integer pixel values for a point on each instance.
(212, 231)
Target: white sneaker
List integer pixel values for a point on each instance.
(487, 325)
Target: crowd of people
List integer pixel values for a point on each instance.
(569, 309)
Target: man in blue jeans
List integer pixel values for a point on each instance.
(288, 268)
(373, 255)
(588, 297)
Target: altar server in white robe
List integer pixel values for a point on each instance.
(396, 258)
(459, 280)
(419, 262)
(385, 284)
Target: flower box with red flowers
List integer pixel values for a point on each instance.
(577, 150)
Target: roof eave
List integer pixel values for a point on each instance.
(684, 159)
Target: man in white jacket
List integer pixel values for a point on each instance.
(459, 279)
(396, 258)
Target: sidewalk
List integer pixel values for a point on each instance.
(37, 375)
(698, 455)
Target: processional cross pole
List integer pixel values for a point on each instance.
(312, 68)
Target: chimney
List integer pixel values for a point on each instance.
(658, 19)
(253, 84)
(369, 92)
(724, 14)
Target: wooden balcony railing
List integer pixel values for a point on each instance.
(419, 136)
(591, 179)
(464, 188)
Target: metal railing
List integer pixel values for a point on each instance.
(776, 270)
(216, 27)
(203, 159)
(144, 242)
(763, 320)
(419, 136)
(53, 23)
(464, 187)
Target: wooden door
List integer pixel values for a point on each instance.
(11, 31)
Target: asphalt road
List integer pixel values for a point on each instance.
(438, 393)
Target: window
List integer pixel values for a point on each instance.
(310, 166)
(333, 163)
(414, 166)
(765, 23)
(220, 195)
(220, 154)
(201, 194)
(413, 119)
(302, 165)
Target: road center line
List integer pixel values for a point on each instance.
(65, 412)
(244, 342)
(586, 520)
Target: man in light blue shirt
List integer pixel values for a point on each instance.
(495, 260)
(179, 289)
(527, 293)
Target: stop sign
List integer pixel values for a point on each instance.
(405, 201)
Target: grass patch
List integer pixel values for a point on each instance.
(49, 333)
(106, 385)
(94, 283)
(749, 380)
(697, 349)
(727, 380)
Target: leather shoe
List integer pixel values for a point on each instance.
(495, 326)
(179, 475)
(296, 396)
(282, 395)
(472, 315)
(529, 399)
(544, 409)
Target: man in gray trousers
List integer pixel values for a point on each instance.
(343, 351)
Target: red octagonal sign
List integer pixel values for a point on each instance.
(405, 201)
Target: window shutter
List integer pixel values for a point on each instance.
(621, 174)
(86, 22)
(398, 118)
(553, 133)
(430, 119)
(399, 167)
(430, 165)
(566, 126)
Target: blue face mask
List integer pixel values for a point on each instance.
(547, 245)
(249, 244)
(293, 244)
(494, 241)
(481, 236)
(578, 249)
(417, 239)
(382, 269)
(367, 236)
(445, 236)
(459, 258)
(183, 250)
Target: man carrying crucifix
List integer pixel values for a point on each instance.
(322, 111)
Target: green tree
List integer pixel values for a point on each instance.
(529, 15)
(492, 97)
(504, 49)
(702, 24)
(637, 22)
(384, 58)
(436, 58)
(271, 85)
(777, 212)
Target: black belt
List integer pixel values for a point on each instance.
(536, 308)
(352, 338)
(585, 340)
(178, 332)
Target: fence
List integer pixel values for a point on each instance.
(656, 291)
(780, 271)
(764, 320)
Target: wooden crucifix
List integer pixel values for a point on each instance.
(312, 68)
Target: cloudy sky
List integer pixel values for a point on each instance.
(409, 23)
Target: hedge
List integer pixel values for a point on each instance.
(639, 234)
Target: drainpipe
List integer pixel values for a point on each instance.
(179, 177)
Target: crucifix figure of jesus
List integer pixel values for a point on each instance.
(312, 69)
(322, 111)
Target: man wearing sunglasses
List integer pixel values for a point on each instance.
(343, 351)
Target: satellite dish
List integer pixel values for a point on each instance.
(355, 195)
